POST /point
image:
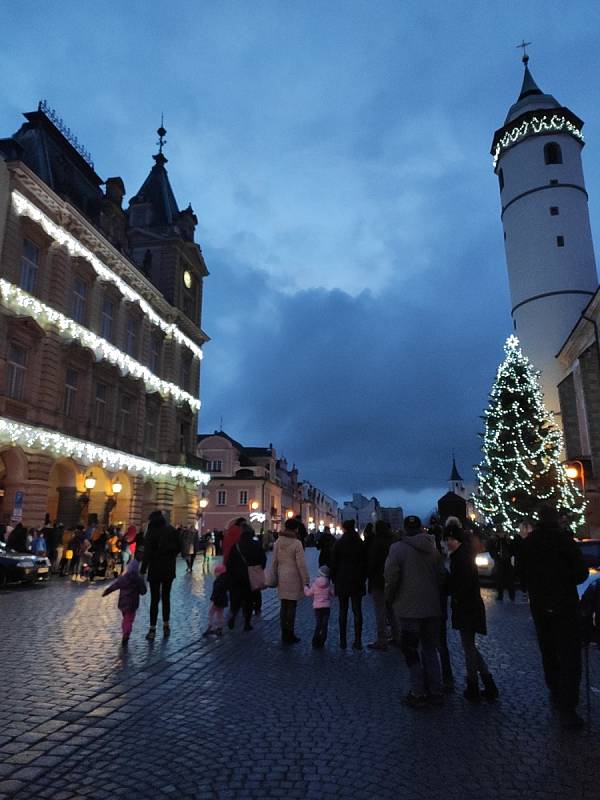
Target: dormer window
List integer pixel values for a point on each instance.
(552, 153)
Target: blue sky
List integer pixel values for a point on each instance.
(337, 157)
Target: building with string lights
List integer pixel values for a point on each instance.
(100, 337)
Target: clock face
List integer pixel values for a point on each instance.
(187, 279)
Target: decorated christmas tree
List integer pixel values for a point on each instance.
(522, 445)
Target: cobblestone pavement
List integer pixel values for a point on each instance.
(244, 717)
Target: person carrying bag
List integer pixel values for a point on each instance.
(245, 567)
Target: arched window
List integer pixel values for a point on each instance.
(552, 153)
(501, 178)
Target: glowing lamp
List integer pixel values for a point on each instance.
(254, 505)
(203, 503)
(117, 486)
(289, 514)
(89, 482)
(572, 472)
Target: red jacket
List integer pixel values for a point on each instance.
(230, 539)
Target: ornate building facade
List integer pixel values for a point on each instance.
(100, 338)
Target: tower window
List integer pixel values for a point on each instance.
(552, 153)
(554, 211)
(501, 178)
(560, 241)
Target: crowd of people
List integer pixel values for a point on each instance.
(418, 581)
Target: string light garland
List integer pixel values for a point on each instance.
(23, 206)
(58, 445)
(535, 125)
(20, 302)
(521, 465)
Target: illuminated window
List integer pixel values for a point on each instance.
(71, 381)
(15, 372)
(30, 259)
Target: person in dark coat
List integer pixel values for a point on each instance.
(161, 547)
(247, 552)
(502, 551)
(376, 555)
(301, 531)
(325, 547)
(17, 538)
(551, 567)
(349, 572)
(468, 612)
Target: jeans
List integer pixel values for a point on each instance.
(420, 639)
(356, 600)
(287, 616)
(160, 590)
(321, 626)
(559, 639)
(474, 661)
(378, 598)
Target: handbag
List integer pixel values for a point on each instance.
(256, 574)
(271, 579)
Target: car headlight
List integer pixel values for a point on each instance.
(482, 560)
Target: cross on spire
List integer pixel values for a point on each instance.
(524, 45)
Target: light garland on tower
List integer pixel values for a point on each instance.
(18, 301)
(522, 444)
(533, 126)
(58, 445)
(23, 206)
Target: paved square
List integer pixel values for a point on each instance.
(244, 717)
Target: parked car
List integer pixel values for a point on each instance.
(22, 567)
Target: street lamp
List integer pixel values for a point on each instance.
(117, 486)
(203, 503)
(89, 481)
(255, 505)
(289, 513)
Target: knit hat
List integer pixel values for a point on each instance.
(324, 571)
(455, 532)
(220, 569)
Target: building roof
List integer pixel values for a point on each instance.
(530, 97)
(156, 190)
(454, 475)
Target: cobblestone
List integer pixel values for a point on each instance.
(244, 717)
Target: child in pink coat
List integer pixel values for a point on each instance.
(322, 593)
(130, 586)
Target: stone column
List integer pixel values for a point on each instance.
(36, 490)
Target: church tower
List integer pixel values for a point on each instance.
(547, 235)
(455, 482)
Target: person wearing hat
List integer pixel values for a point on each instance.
(468, 611)
(414, 574)
(321, 592)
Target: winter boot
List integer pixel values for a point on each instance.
(490, 691)
(166, 629)
(151, 635)
(471, 693)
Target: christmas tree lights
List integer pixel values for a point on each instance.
(20, 302)
(24, 206)
(87, 453)
(533, 126)
(521, 465)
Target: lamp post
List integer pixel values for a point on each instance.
(203, 503)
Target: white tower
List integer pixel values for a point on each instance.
(547, 235)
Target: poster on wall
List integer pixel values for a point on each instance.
(17, 512)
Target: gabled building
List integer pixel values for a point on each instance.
(99, 353)
(243, 482)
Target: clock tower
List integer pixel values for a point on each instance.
(161, 238)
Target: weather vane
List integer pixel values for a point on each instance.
(524, 45)
(161, 133)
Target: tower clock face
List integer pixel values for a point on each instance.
(187, 279)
